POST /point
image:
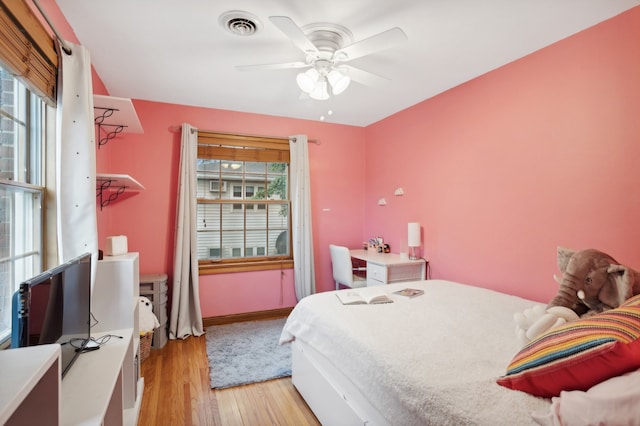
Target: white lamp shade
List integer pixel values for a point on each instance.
(339, 81)
(320, 92)
(413, 236)
(307, 80)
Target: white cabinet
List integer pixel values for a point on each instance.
(30, 391)
(102, 387)
(115, 304)
(93, 388)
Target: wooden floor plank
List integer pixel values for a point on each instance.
(177, 392)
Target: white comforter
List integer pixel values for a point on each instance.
(432, 359)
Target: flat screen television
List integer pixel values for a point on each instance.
(55, 307)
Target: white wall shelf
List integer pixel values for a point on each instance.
(110, 186)
(113, 116)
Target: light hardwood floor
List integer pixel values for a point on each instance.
(177, 392)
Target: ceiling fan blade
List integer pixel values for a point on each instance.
(291, 30)
(373, 44)
(283, 66)
(364, 77)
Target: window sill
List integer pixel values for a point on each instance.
(212, 267)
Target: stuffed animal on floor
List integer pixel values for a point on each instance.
(146, 318)
(591, 282)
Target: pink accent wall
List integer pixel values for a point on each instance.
(501, 170)
(148, 217)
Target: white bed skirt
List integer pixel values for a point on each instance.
(331, 396)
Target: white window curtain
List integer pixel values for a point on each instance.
(186, 317)
(301, 229)
(75, 165)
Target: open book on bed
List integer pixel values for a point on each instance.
(363, 296)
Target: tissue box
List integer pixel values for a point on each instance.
(116, 245)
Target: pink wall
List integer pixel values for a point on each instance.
(501, 170)
(148, 217)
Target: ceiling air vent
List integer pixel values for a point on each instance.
(240, 23)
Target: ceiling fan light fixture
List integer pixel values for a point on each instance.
(338, 80)
(307, 80)
(325, 47)
(321, 91)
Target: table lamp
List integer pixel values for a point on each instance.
(413, 239)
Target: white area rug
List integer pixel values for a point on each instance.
(246, 352)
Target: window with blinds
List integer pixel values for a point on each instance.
(28, 73)
(27, 50)
(243, 205)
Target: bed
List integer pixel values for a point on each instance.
(431, 359)
(438, 358)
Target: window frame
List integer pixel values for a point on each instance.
(28, 52)
(224, 146)
(23, 193)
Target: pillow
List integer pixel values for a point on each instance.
(612, 402)
(579, 354)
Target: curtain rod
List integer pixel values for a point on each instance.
(292, 138)
(315, 141)
(63, 44)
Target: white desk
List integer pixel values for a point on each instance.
(385, 268)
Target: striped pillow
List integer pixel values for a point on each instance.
(580, 354)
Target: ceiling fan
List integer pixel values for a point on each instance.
(327, 47)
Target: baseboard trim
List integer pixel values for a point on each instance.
(248, 316)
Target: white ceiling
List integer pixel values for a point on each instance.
(176, 51)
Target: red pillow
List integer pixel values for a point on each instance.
(580, 354)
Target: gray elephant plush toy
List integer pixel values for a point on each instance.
(593, 281)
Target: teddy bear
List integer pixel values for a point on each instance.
(147, 319)
(591, 282)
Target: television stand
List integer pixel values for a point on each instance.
(94, 384)
(102, 387)
(30, 392)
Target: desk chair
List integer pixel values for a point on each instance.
(343, 268)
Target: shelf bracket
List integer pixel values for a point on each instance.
(106, 113)
(99, 121)
(105, 185)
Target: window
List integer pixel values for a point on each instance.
(245, 224)
(28, 75)
(217, 186)
(22, 124)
